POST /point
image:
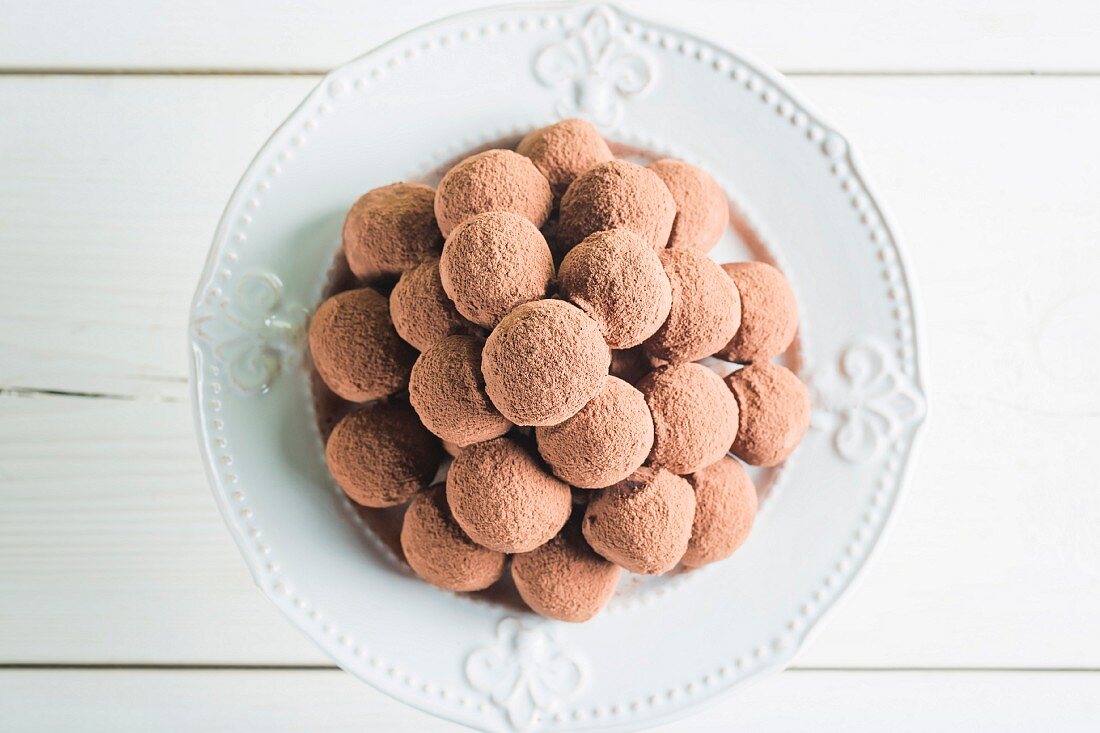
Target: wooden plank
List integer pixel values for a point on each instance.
(803, 35)
(111, 546)
(105, 220)
(104, 224)
(283, 701)
(111, 551)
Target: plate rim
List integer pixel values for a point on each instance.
(779, 660)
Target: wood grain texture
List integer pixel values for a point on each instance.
(842, 35)
(329, 701)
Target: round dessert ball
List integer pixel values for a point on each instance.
(495, 180)
(448, 393)
(619, 281)
(694, 419)
(702, 212)
(617, 195)
(355, 348)
(390, 229)
(439, 551)
(421, 310)
(503, 499)
(603, 443)
(493, 262)
(643, 523)
(564, 150)
(544, 362)
(381, 455)
(769, 313)
(775, 411)
(630, 365)
(706, 309)
(725, 506)
(564, 579)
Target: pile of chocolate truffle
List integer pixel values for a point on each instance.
(546, 309)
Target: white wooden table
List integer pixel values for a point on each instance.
(123, 127)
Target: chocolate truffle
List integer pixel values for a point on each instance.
(725, 506)
(381, 455)
(439, 551)
(603, 443)
(642, 523)
(564, 579)
(544, 362)
(503, 499)
(617, 195)
(564, 150)
(619, 281)
(630, 365)
(493, 262)
(421, 310)
(390, 229)
(769, 313)
(775, 412)
(702, 212)
(706, 309)
(355, 348)
(694, 419)
(495, 180)
(447, 391)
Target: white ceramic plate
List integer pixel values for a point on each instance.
(664, 647)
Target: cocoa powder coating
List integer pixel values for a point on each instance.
(564, 150)
(603, 443)
(702, 212)
(356, 349)
(618, 280)
(494, 262)
(381, 455)
(495, 180)
(544, 362)
(769, 313)
(725, 506)
(706, 309)
(503, 499)
(617, 195)
(421, 310)
(774, 406)
(642, 523)
(390, 229)
(694, 419)
(448, 393)
(565, 579)
(439, 551)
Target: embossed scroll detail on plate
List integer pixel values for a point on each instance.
(525, 671)
(596, 67)
(866, 400)
(254, 333)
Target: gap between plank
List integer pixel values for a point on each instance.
(123, 666)
(318, 72)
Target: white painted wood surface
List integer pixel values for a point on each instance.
(794, 35)
(323, 701)
(111, 551)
